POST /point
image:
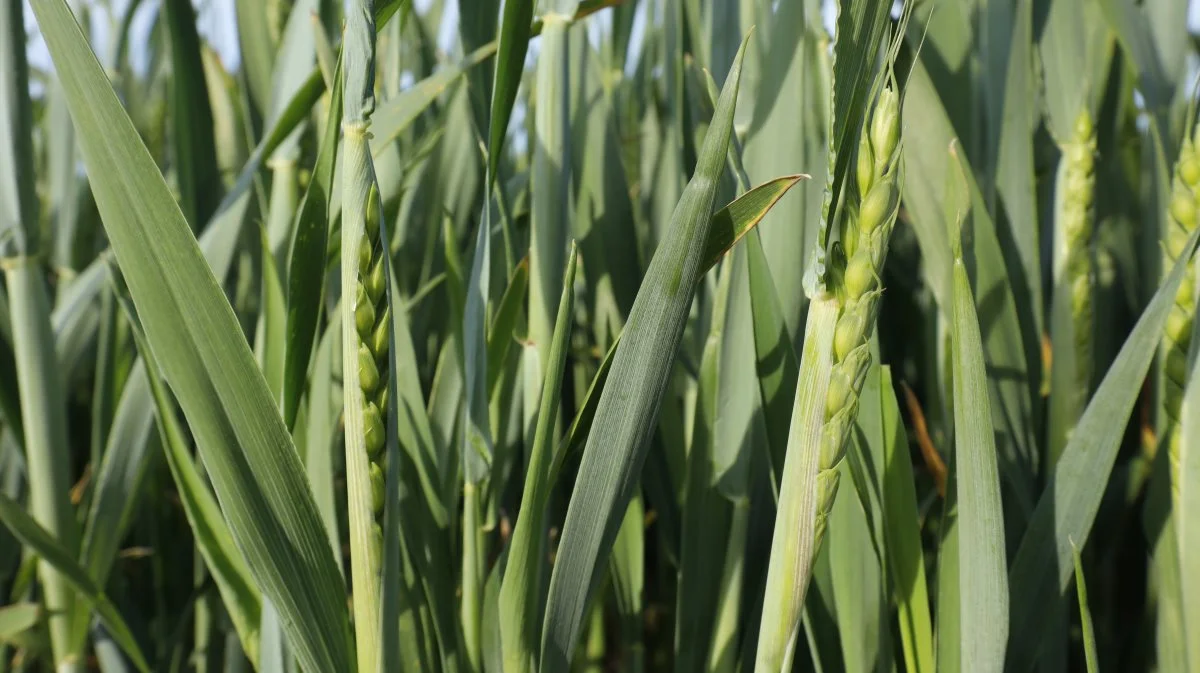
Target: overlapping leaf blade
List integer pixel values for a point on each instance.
(195, 336)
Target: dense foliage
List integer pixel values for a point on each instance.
(591, 335)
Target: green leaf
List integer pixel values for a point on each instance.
(510, 63)
(225, 563)
(581, 426)
(18, 199)
(33, 535)
(1129, 22)
(983, 584)
(789, 132)
(503, 328)
(521, 589)
(1011, 348)
(195, 156)
(706, 511)
(777, 365)
(196, 340)
(902, 536)
(628, 408)
(270, 333)
(1085, 614)
(396, 114)
(127, 455)
(257, 51)
(627, 575)
(732, 222)
(17, 618)
(1041, 569)
(305, 287)
(1016, 179)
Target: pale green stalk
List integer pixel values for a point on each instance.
(43, 403)
(794, 542)
(811, 468)
(364, 334)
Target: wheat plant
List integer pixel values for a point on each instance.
(504, 336)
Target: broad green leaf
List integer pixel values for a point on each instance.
(195, 337)
(1129, 21)
(195, 156)
(550, 185)
(706, 511)
(1016, 179)
(789, 132)
(119, 477)
(18, 618)
(306, 288)
(983, 583)
(501, 334)
(902, 536)
(521, 589)
(396, 114)
(510, 62)
(324, 408)
(603, 219)
(627, 581)
(859, 582)
(581, 426)
(777, 365)
(1073, 73)
(731, 223)
(243, 603)
(1010, 345)
(257, 51)
(1041, 569)
(629, 404)
(45, 546)
(477, 447)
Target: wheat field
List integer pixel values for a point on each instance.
(578, 336)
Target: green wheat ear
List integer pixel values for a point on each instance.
(1182, 220)
(371, 316)
(1077, 230)
(865, 235)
